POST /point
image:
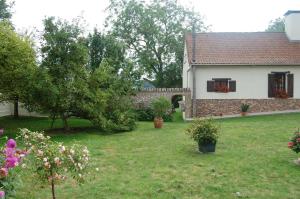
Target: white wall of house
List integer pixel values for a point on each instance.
(8, 109)
(292, 26)
(251, 81)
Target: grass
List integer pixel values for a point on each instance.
(252, 158)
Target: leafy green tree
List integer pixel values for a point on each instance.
(5, 10)
(17, 64)
(103, 46)
(276, 25)
(153, 33)
(62, 77)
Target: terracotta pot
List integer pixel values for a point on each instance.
(158, 122)
(243, 113)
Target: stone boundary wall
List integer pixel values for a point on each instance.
(219, 107)
(144, 97)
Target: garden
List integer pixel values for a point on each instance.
(252, 160)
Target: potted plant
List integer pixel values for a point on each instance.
(244, 109)
(160, 107)
(205, 133)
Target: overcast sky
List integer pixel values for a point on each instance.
(222, 15)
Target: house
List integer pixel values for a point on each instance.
(224, 70)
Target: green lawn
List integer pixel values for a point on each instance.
(251, 158)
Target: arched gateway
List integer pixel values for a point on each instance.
(145, 96)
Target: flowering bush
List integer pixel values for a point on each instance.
(281, 93)
(52, 161)
(222, 88)
(294, 143)
(9, 159)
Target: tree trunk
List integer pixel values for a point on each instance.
(16, 107)
(65, 122)
(52, 186)
(52, 123)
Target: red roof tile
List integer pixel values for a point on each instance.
(255, 48)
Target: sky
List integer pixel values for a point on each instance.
(222, 15)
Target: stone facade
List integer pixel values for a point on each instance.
(219, 107)
(144, 97)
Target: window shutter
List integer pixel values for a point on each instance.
(232, 86)
(290, 87)
(210, 86)
(271, 85)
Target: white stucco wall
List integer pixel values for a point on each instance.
(292, 26)
(251, 81)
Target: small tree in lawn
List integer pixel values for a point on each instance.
(52, 162)
(17, 64)
(63, 72)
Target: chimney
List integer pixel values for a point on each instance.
(292, 25)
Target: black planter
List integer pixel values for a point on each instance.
(207, 147)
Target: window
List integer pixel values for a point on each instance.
(281, 85)
(222, 85)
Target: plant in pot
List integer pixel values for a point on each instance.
(205, 133)
(244, 109)
(160, 107)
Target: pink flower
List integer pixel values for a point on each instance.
(3, 172)
(11, 143)
(2, 194)
(11, 162)
(10, 152)
(298, 139)
(290, 144)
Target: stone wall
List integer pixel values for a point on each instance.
(218, 107)
(144, 97)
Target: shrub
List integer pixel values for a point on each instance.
(160, 106)
(204, 131)
(245, 107)
(10, 158)
(146, 114)
(52, 161)
(294, 143)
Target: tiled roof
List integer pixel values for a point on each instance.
(255, 48)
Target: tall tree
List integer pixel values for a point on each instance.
(63, 69)
(17, 64)
(5, 10)
(276, 25)
(106, 47)
(153, 33)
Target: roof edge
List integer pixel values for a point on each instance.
(291, 12)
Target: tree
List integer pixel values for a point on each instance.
(153, 34)
(5, 10)
(62, 77)
(17, 64)
(103, 46)
(276, 25)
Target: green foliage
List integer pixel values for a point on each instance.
(245, 107)
(276, 25)
(5, 10)
(204, 131)
(160, 106)
(61, 82)
(17, 64)
(294, 143)
(106, 47)
(147, 114)
(153, 33)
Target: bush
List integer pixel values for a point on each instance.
(245, 107)
(160, 106)
(204, 131)
(294, 143)
(146, 114)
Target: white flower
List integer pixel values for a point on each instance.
(40, 153)
(80, 175)
(23, 166)
(45, 159)
(47, 165)
(72, 151)
(97, 169)
(62, 149)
